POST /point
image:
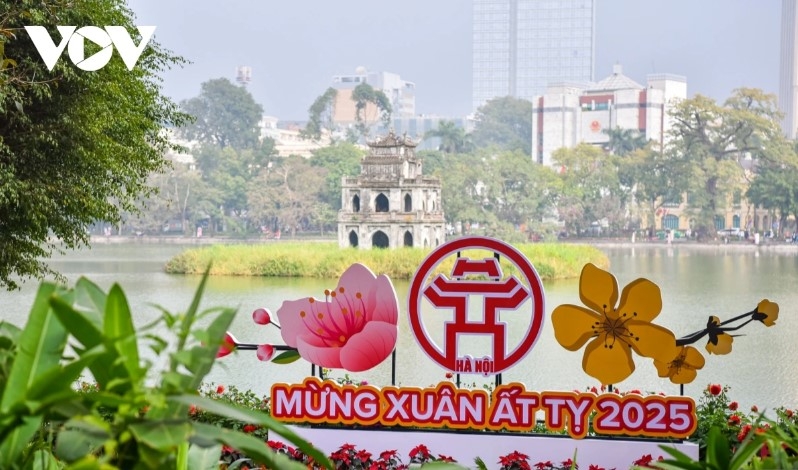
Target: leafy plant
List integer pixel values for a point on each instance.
(122, 422)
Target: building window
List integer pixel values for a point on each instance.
(381, 203)
(408, 239)
(408, 203)
(736, 221)
(356, 203)
(353, 239)
(720, 222)
(380, 240)
(671, 222)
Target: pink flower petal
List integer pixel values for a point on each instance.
(369, 347)
(381, 301)
(292, 324)
(324, 356)
(262, 316)
(265, 352)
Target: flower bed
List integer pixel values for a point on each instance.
(714, 409)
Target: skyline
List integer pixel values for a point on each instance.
(718, 45)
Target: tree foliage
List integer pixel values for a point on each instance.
(453, 138)
(710, 140)
(75, 146)
(363, 95)
(338, 160)
(226, 115)
(506, 123)
(320, 115)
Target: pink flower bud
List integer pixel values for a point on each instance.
(262, 316)
(265, 352)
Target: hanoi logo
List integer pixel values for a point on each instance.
(481, 280)
(73, 39)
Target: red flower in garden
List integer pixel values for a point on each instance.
(449, 375)
(755, 409)
(420, 453)
(543, 465)
(596, 467)
(788, 413)
(276, 446)
(445, 458)
(733, 406)
(248, 428)
(644, 460)
(743, 433)
(363, 455)
(594, 390)
(353, 328)
(734, 420)
(192, 410)
(387, 454)
(715, 389)
(569, 463)
(220, 389)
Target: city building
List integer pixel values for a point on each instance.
(391, 204)
(400, 93)
(520, 46)
(288, 139)
(572, 113)
(788, 74)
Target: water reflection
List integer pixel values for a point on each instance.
(696, 282)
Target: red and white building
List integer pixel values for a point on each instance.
(573, 113)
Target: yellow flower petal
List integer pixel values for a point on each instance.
(573, 325)
(770, 310)
(652, 341)
(693, 357)
(609, 365)
(641, 299)
(683, 375)
(663, 368)
(598, 289)
(724, 345)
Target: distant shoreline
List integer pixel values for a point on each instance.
(768, 245)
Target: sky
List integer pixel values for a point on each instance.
(295, 47)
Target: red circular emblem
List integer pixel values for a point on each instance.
(451, 292)
(595, 126)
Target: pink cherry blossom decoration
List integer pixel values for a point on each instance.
(228, 345)
(265, 352)
(353, 328)
(262, 316)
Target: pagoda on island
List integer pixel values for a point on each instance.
(391, 204)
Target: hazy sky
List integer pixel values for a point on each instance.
(295, 47)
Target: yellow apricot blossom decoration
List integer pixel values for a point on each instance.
(682, 369)
(719, 342)
(613, 332)
(767, 312)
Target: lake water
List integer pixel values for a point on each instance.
(696, 282)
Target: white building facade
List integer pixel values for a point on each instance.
(788, 73)
(572, 113)
(401, 93)
(520, 46)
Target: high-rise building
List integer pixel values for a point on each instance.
(401, 94)
(520, 46)
(788, 86)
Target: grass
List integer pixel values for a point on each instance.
(327, 260)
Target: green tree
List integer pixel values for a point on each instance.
(320, 116)
(453, 138)
(591, 190)
(75, 147)
(287, 194)
(709, 140)
(624, 141)
(773, 186)
(363, 95)
(338, 160)
(505, 122)
(226, 115)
